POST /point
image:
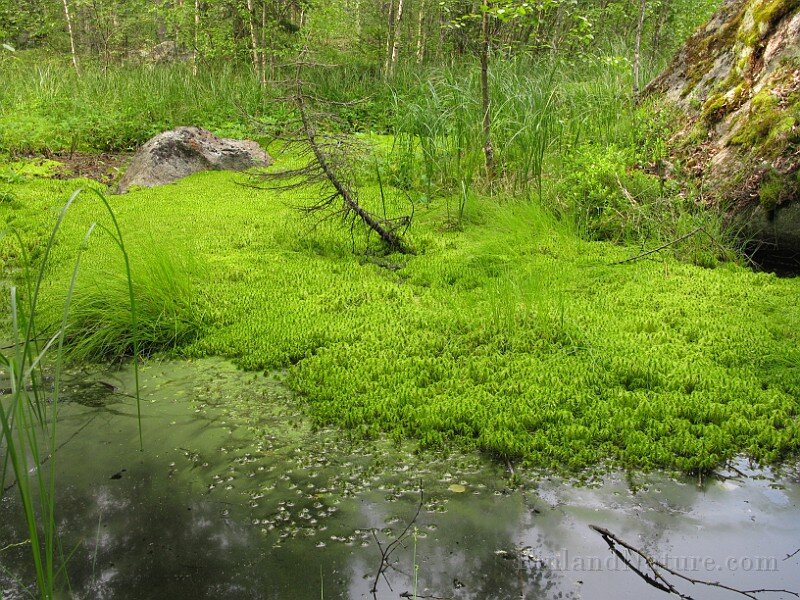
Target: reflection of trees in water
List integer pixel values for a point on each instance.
(459, 558)
(158, 540)
(155, 543)
(162, 537)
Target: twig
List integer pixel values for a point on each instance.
(660, 248)
(391, 547)
(626, 193)
(656, 576)
(736, 470)
(16, 545)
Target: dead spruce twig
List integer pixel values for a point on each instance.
(328, 166)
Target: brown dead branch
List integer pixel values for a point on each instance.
(327, 165)
(686, 236)
(655, 573)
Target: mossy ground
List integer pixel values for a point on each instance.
(509, 334)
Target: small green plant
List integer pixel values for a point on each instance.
(29, 419)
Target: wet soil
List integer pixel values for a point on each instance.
(105, 167)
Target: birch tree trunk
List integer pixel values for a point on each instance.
(396, 38)
(486, 105)
(389, 39)
(263, 43)
(421, 32)
(71, 38)
(196, 35)
(253, 40)
(637, 49)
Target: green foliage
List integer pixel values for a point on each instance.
(509, 334)
(777, 188)
(49, 109)
(170, 309)
(540, 109)
(606, 198)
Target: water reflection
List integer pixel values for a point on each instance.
(236, 496)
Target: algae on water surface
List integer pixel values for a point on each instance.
(235, 495)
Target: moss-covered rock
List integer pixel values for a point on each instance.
(738, 80)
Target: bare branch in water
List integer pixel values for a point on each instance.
(655, 573)
(386, 552)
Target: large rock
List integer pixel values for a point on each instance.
(171, 155)
(166, 52)
(738, 80)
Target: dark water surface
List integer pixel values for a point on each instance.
(235, 496)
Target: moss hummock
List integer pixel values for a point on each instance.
(511, 336)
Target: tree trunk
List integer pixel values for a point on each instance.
(161, 26)
(263, 43)
(421, 32)
(177, 8)
(196, 35)
(488, 149)
(253, 39)
(637, 49)
(396, 38)
(71, 38)
(658, 28)
(389, 39)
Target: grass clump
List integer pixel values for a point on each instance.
(540, 109)
(170, 311)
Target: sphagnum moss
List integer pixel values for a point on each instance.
(511, 336)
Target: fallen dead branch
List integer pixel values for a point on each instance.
(793, 554)
(655, 573)
(685, 236)
(327, 167)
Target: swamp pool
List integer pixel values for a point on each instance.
(236, 495)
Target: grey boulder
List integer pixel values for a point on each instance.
(175, 154)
